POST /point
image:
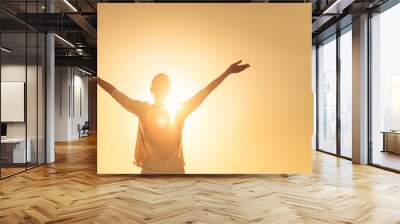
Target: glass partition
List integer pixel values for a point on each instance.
(22, 88)
(13, 94)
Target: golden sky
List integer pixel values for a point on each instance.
(259, 121)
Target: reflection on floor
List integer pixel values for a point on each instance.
(13, 169)
(346, 152)
(387, 159)
(70, 191)
(10, 171)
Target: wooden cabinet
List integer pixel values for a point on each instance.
(391, 142)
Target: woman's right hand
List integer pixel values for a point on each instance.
(237, 67)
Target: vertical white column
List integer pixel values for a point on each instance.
(50, 93)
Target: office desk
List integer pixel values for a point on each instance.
(13, 150)
(391, 141)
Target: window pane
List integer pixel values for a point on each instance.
(314, 90)
(386, 89)
(346, 94)
(327, 96)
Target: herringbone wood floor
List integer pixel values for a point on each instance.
(69, 191)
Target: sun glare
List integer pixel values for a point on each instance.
(172, 105)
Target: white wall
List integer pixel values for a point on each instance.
(70, 94)
(16, 73)
(81, 103)
(62, 78)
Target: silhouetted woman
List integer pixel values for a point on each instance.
(159, 140)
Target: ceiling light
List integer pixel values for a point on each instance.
(70, 5)
(5, 50)
(84, 71)
(79, 51)
(65, 41)
(338, 6)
